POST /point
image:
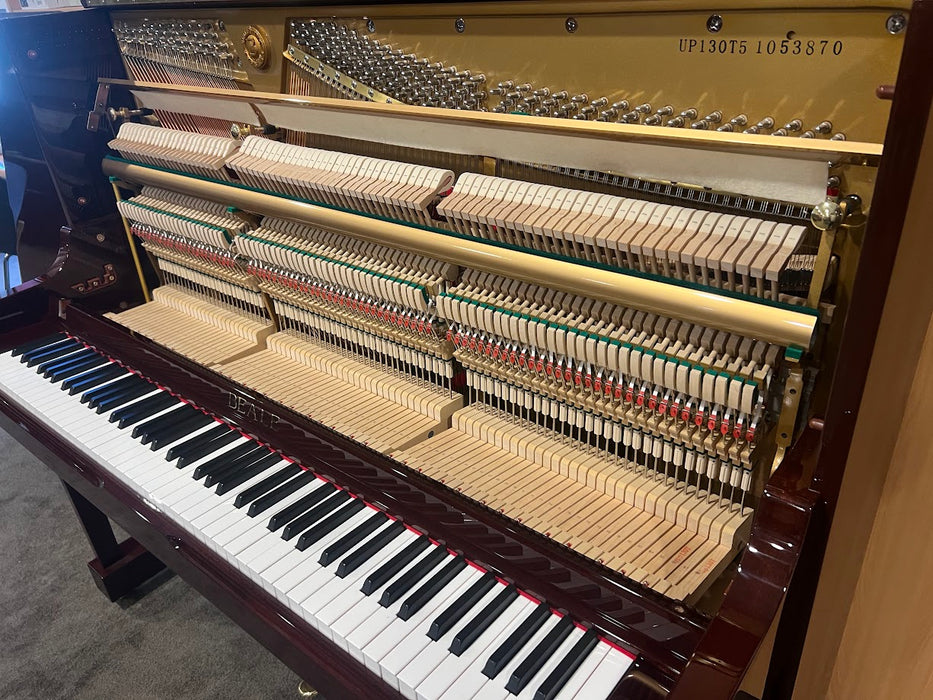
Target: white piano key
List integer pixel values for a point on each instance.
(433, 653)
(606, 676)
(583, 672)
(401, 641)
(462, 675)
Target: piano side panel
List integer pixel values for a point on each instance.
(885, 405)
(885, 650)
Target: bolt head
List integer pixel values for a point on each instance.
(714, 24)
(82, 201)
(370, 25)
(896, 23)
(460, 25)
(100, 237)
(32, 54)
(571, 25)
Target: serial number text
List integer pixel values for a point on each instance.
(763, 47)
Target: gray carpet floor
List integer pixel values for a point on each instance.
(61, 638)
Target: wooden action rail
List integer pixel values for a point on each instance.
(383, 410)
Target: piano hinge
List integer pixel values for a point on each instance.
(62, 306)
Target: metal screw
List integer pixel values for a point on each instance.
(100, 237)
(82, 201)
(896, 23)
(570, 24)
(370, 25)
(221, 26)
(460, 25)
(714, 24)
(32, 54)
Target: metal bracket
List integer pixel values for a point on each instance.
(790, 405)
(100, 107)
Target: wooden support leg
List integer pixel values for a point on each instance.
(117, 568)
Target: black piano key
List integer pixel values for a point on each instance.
(73, 369)
(511, 646)
(384, 573)
(334, 520)
(195, 452)
(114, 401)
(266, 485)
(260, 459)
(66, 347)
(179, 430)
(76, 371)
(426, 592)
(36, 344)
(92, 395)
(168, 421)
(464, 639)
(412, 577)
(226, 471)
(356, 559)
(460, 607)
(321, 510)
(49, 366)
(92, 378)
(261, 505)
(538, 656)
(226, 458)
(558, 678)
(352, 538)
(141, 410)
(188, 445)
(176, 413)
(303, 504)
(241, 477)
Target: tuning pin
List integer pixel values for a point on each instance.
(739, 120)
(726, 127)
(580, 99)
(653, 120)
(607, 115)
(838, 137)
(823, 127)
(621, 106)
(542, 92)
(676, 122)
(793, 125)
(643, 108)
(766, 123)
(713, 117)
(600, 102)
(689, 113)
(780, 132)
(665, 111)
(701, 125)
(808, 134)
(629, 118)
(507, 85)
(752, 130)
(562, 95)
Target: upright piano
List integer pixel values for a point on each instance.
(486, 349)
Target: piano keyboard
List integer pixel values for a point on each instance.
(430, 623)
